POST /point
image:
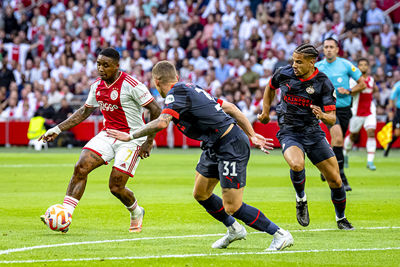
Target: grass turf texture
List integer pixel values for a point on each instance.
(31, 182)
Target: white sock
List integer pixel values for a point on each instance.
(234, 227)
(70, 203)
(348, 144)
(298, 199)
(135, 210)
(371, 148)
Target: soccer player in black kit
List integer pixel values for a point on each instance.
(224, 159)
(304, 93)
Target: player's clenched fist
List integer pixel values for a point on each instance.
(317, 111)
(51, 134)
(263, 118)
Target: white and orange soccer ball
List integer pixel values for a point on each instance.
(57, 218)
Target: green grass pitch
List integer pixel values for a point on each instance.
(177, 231)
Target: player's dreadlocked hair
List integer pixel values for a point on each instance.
(111, 53)
(308, 50)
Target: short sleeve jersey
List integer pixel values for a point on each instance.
(339, 72)
(121, 102)
(196, 114)
(395, 95)
(363, 105)
(297, 95)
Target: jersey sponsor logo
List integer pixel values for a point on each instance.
(114, 94)
(107, 106)
(297, 100)
(310, 90)
(353, 68)
(169, 99)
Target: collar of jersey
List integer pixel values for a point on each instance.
(108, 86)
(312, 75)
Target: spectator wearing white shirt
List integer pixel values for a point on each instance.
(198, 62)
(156, 17)
(318, 28)
(228, 19)
(352, 44)
(386, 34)
(246, 26)
(107, 30)
(374, 20)
(175, 47)
(270, 61)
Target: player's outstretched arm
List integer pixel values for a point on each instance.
(155, 111)
(149, 129)
(80, 115)
(328, 117)
(269, 96)
(359, 86)
(258, 140)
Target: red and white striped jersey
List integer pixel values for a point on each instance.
(363, 105)
(121, 102)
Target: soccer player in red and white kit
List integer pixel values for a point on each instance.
(121, 99)
(364, 115)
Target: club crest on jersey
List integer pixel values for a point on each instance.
(310, 90)
(339, 79)
(114, 94)
(169, 99)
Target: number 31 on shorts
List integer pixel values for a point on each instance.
(229, 168)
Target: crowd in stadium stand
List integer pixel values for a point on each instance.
(48, 49)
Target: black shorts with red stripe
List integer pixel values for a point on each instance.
(227, 159)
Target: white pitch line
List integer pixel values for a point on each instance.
(205, 255)
(35, 165)
(8, 251)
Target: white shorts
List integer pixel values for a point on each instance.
(356, 122)
(125, 154)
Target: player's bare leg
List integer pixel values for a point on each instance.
(203, 193)
(349, 141)
(117, 185)
(337, 146)
(87, 162)
(253, 217)
(294, 156)
(371, 149)
(330, 169)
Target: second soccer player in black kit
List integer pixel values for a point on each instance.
(304, 93)
(224, 159)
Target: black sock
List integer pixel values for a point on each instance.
(255, 218)
(215, 208)
(338, 150)
(338, 196)
(298, 181)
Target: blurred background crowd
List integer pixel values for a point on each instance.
(48, 49)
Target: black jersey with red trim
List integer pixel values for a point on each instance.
(298, 94)
(196, 114)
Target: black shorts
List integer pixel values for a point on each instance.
(317, 151)
(343, 116)
(227, 159)
(396, 119)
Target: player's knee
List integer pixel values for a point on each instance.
(200, 196)
(231, 208)
(371, 133)
(297, 165)
(80, 170)
(116, 190)
(354, 137)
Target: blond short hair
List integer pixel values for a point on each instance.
(164, 71)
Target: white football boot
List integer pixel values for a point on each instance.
(282, 239)
(235, 232)
(136, 222)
